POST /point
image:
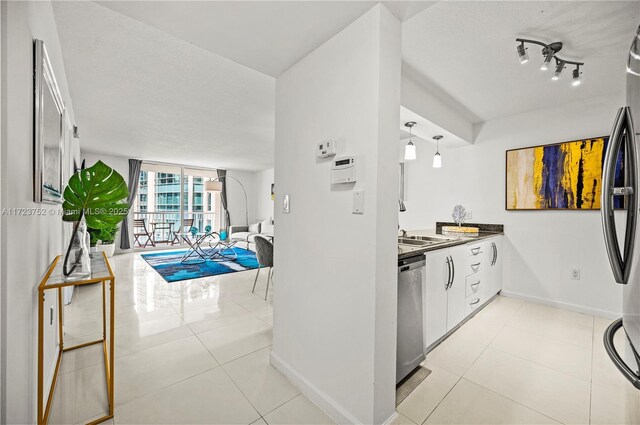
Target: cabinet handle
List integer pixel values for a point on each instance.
(446, 286)
(453, 271)
(475, 266)
(495, 254)
(475, 250)
(474, 302)
(475, 284)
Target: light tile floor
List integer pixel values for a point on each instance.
(517, 362)
(198, 352)
(187, 352)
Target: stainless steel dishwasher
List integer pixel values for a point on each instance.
(410, 346)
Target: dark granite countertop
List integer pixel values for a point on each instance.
(486, 231)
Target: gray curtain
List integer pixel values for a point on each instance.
(134, 179)
(222, 174)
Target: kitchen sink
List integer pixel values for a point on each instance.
(433, 239)
(412, 241)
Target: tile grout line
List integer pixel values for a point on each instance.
(515, 401)
(462, 377)
(164, 388)
(241, 392)
(229, 376)
(492, 339)
(441, 400)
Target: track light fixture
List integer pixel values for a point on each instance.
(549, 52)
(410, 149)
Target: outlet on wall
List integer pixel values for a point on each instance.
(575, 273)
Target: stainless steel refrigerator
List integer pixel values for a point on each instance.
(624, 259)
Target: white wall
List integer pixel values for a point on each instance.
(28, 243)
(541, 246)
(335, 326)
(262, 186)
(235, 196)
(119, 164)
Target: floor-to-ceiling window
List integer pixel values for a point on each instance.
(172, 200)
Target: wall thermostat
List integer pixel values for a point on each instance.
(326, 148)
(343, 170)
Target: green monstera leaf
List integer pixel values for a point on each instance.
(99, 194)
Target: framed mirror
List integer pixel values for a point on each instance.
(48, 134)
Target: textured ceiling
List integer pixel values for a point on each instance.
(268, 36)
(140, 92)
(468, 51)
(192, 81)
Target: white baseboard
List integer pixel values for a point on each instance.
(567, 306)
(391, 419)
(328, 405)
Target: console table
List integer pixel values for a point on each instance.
(54, 279)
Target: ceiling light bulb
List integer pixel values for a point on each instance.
(547, 61)
(522, 54)
(437, 160)
(576, 77)
(409, 151)
(558, 71)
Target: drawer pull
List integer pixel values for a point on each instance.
(475, 250)
(474, 302)
(475, 266)
(475, 284)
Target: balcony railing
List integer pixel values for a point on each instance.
(163, 226)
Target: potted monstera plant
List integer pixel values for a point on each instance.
(96, 196)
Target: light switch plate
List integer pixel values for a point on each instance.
(358, 202)
(285, 204)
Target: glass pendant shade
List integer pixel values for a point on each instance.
(437, 160)
(409, 152)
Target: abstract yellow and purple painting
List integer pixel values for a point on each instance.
(560, 176)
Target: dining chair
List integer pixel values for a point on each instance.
(187, 224)
(264, 254)
(140, 230)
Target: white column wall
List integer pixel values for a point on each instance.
(335, 287)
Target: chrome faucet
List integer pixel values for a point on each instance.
(402, 206)
(404, 233)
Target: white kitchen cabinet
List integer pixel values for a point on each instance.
(459, 280)
(456, 294)
(494, 261)
(435, 295)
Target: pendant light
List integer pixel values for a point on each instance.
(410, 149)
(437, 159)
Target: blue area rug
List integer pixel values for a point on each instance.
(168, 265)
